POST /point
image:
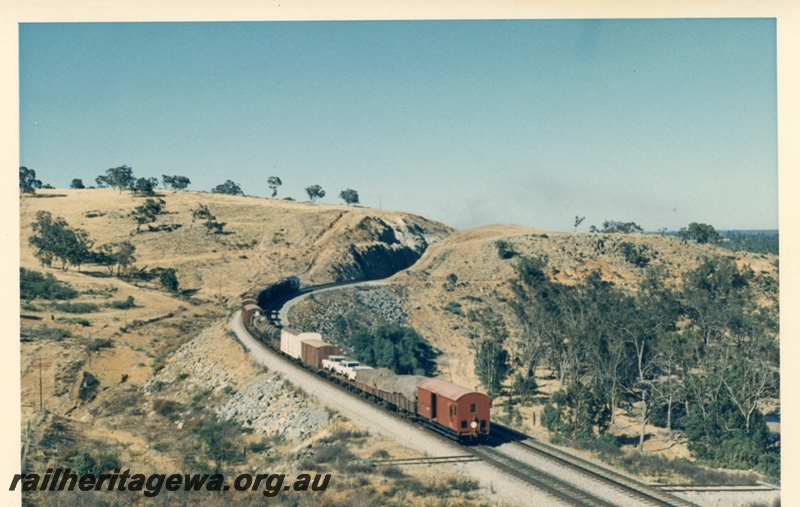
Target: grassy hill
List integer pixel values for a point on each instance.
(98, 356)
(449, 273)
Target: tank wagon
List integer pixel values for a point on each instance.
(449, 409)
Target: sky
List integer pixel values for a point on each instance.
(532, 122)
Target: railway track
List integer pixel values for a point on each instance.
(424, 460)
(550, 484)
(553, 486)
(622, 483)
(563, 490)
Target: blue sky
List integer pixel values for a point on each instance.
(531, 122)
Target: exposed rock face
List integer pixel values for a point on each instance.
(360, 307)
(371, 262)
(378, 249)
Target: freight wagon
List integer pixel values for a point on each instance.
(447, 408)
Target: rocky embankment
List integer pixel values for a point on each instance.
(358, 307)
(213, 363)
(377, 247)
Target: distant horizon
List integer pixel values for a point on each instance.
(583, 228)
(662, 122)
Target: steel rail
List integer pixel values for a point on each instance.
(610, 477)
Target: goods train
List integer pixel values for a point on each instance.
(448, 409)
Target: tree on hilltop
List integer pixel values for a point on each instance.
(315, 192)
(144, 186)
(77, 183)
(273, 182)
(701, 233)
(116, 177)
(349, 196)
(229, 187)
(175, 182)
(27, 181)
(623, 227)
(578, 221)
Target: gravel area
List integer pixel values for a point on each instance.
(576, 479)
(497, 487)
(731, 498)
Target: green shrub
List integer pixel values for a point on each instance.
(333, 453)
(33, 284)
(392, 471)
(463, 485)
(76, 321)
(504, 249)
(88, 387)
(30, 307)
(97, 344)
(123, 305)
(259, 447)
(43, 333)
(638, 256)
(525, 387)
(453, 307)
(76, 307)
(381, 454)
(83, 463)
(167, 407)
(450, 282)
(169, 280)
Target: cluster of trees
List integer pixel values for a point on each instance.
(209, 220)
(702, 356)
(122, 178)
(752, 241)
(700, 233)
(398, 348)
(27, 181)
(147, 213)
(33, 284)
(54, 240)
(116, 255)
(612, 226)
(229, 187)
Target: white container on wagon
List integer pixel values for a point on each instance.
(345, 367)
(290, 342)
(331, 362)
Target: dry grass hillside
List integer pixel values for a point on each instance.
(483, 277)
(264, 240)
(483, 281)
(425, 297)
(95, 363)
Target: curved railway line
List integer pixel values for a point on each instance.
(566, 491)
